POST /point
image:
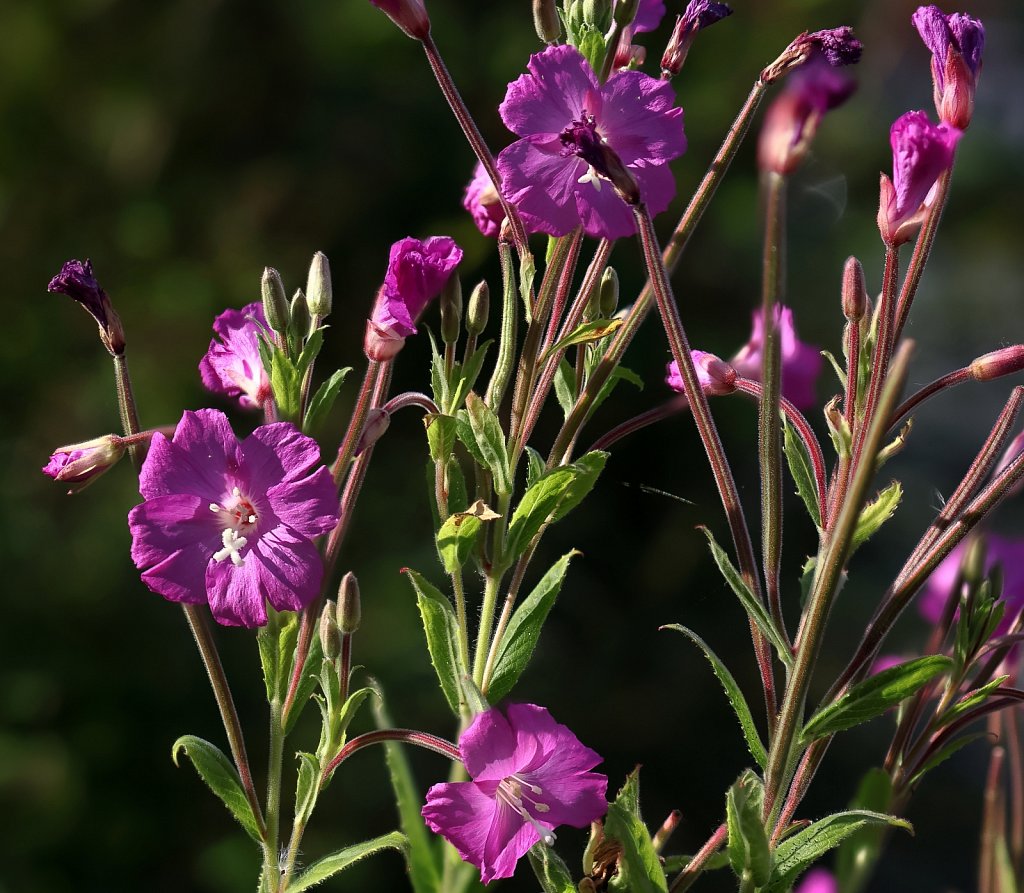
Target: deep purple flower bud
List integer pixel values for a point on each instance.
(410, 15)
(76, 280)
(697, 16)
(801, 362)
(922, 152)
(793, 118)
(79, 464)
(417, 271)
(956, 42)
(717, 378)
(998, 363)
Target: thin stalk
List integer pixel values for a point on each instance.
(271, 865)
(639, 422)
(460, 618)
(350, 441)
(686, 878)
(483, 638)
(850, 401)
(507, 341)
(506, 611)
(128, 409)
(949, 380)
(408, 736)
(1011, 724)
(307, 377)
(992, 819)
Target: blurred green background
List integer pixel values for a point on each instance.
(186, 144)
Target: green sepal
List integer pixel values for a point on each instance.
(490, 442)
(323, 400)
(802, 470)
(875, 695)
(550, 870)
(442, 631)
(221, 777)
(748, 848)
(330, 865)
(586, 333)
(732, 692)
(640, 868)
(876, 513)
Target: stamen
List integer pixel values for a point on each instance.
(214, 507)
(510, 790)
(233, 544)
(236, 492)
(591, 176)
(252, 519)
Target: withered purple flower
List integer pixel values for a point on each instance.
(698, 15)
(956, 42)
(77, 281)
(79, 464)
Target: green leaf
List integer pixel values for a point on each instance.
(969, 701)
(588, 467)
(276, 641)
(307, 682)
(527, 272)
(306, 788)
(535, 466)
(441, 434)
(491, 442)
(286, 383)
(807, 579)
(876, 513)
(839, 370)
(875, 695)
(438, 377)
(640, 869)
(594, 330)
(797, 853)
(749, 850)
(351, 707)
(800, 467)
(523, 631)
(457, 495)
(323, 400)
(221, 777)
(733, 693)
(534, 509)
(551, 871)
(455, 540)
(466, 376)
(311, 350)
(442, 630)
(330, 865)
(859, 852)
(565, 386)
(592, 46)
(944, 753)
(464, 430)
(755, 610)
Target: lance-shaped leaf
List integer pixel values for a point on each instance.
(749, 852)
(877, 512)
(732, 692)
(594, 330)
(859, 851)
(800, 467)
(565, 386)
(307, 683)
(640, 869)
(974, 698)
(342, 859)
(286, 383)
(465, 376)
(457, 535)
(442, 631)
(321, 402)
(943, 753)
(441, 434)
(874, 696)
(220, 775)
(490, 442)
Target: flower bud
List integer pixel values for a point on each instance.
(699, 14)
(319, 295)
(330, 635)
(998, 363)
(479, 308)
(298, 313)
(76, 280)
(717, 377)
(608, 294)
(956, 42)
(275, 302)
(349, 607)
(625, 11)
(974, 562)
(598, 14)
(855, 293)
(410, 15)
(451, 309)
(79, 464)
(545, 20)
(377, 422)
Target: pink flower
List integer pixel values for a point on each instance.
(481, 200)
(577, 134)
(648, 16)
(232, 522)
(232, 365)
(956, 42)
(717, 378)
(76, 280)
(410, 15)
(79, 464)
(818, 880)
(801, 362)
(417, 271)
(529, 775)
(921, 152)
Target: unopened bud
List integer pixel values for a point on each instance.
(79, 464)
(319, 295)
(479, 308)
(410, 15)
(298, 313)
(377, 422)
(625, 12)
(598, 14)
(998, 363)
(275, 303)
(973, 565)
(451, 309)
(545, 20)
(330, 635)
(349, 606)
(855, 292)
(608, 301)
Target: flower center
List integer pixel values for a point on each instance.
(239, 516)
(581, 139)
(522, 796)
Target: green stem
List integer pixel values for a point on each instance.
(271, 863)
(460, 617)
(483, 638)
(509, 318)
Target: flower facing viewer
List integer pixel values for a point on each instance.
(232, 365)
(577, 135)
(956, 42)
(801, 362)
(232, 522)
(529, 775)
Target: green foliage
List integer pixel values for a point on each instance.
(463, 377)
(944, 753)
(307, 683)
(749, 851)
(640, 869)
(441, 433)
(586, 333)
(276, 643)
(565, 386)
(442, 632)
(974, 698)
(859, 852)
(876, 513)
(550, 870)
(800, 467)
(490, 442)
(330, 865)
(455, 540)
(321, 402)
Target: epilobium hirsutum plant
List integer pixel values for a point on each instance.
(252, 530)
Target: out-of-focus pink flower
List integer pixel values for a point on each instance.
(886, 662)
(956, 42)
(801, 362)
(481, 200)
(717, 378)
(577, 136)
(79, 464)
(410, 15)
(818, 880)
(232, 365)
(417, 271)
(529, 775)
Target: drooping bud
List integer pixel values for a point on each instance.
(717, 378)
(330, 635)
(319, 294)
(855, 292)
(76, 280)
(377, 422)
(956, 42)
(608, 300)
(697, 16)
(998, 363)
(298, 313)
(479, 308)
(410, 15)
(546, 21)
(79, 464)
(451, 309)
(275, 302)
(349, 605)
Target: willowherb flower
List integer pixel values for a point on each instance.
(79, 464)
(481, 200)
(837, 46)
(417, 271)
(818, 880)
(698, 15)
(410, 15)
(577, 135)
(649, 14)
(232, 522)
(956, 42)
(76, 280)
(801, 362)
(921, 153)
(717, 378)
(529, 775)
(232, 365)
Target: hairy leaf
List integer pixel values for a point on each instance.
(442, 630)
(330, 865)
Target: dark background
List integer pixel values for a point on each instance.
(185, 145)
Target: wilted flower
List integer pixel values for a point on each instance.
(481, 200)
(801, 362)
(837, 45)
(956, 42)
(79, 464)
(529, 775)
(698, 15)
(717, 378)
(232, 522)
(417, 271)
(410, 15)
(76, 280)
(577, 135)
(232, 365)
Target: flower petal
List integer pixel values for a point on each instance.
(289, 567)
(194, 461)
(556, 89)
(604, 214)
(639, 120)
(489, 747)
(542, 185)
(277, 453)
(235, 595)
(172, 541)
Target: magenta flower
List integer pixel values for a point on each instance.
(801, 362)
(529, 775)
(649, 14)
(410, 15)
(417, 271)
(232, 365)
(956, 42)
(717, 378)
(79, 464)
(232, 522)
(818, 880)
(76, 280)
(921, 152)
(573, 131)
(481, 200)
